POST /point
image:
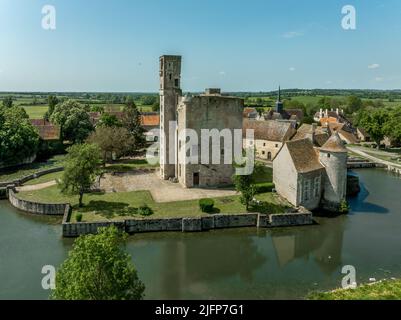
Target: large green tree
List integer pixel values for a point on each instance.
(244, 185)
(97, 268)
(52, 102)
(80, 170)
(132, 122)
(112, 140)
(374, 121)
(8, 102)
(74, 121)
(19, 140)
(392, 127)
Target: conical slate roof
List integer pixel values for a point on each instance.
(334, 144)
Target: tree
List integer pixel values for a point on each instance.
(74, 121)
(97, 268)
(52, 101)
(156, 106)
(8, 102)
(354, 104)
(149, 100)
(243, 184)
(392, 127)
(132, 122)
(19, 140)
(112, 140)
(373, 122)
(108, 120)
(80, 170)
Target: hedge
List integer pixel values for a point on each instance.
(206, 205)
(264, 187)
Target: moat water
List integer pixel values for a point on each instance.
(229, 264)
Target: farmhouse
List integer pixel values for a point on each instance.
(269, 136)
(317, 135)
(312, 177)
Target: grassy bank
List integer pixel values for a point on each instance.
(116, 206)
(385, 290)
(11, 174)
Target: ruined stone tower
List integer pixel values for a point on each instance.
(170, 91)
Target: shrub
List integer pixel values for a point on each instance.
(145, 210)
(264, 187)
(78, 217)
(344, 207)
(206, 205)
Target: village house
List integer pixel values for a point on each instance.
(269, 136)
(47, 130)
(279, 113)
(312, 177)
(250, 113)
(317, 135)
(362, 135)
(345, 133)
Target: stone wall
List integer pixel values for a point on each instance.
(3, 193)
(290, 219)
(53, 209)
(23, 180)
(193, 224)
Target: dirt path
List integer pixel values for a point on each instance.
(162, 191)
(37, 186)
(372, 158)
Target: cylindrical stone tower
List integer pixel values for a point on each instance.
(333, 156)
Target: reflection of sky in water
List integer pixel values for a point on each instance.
(236, 263)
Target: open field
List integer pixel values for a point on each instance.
(385, 290)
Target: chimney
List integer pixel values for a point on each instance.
(212, 91)
(338, 111)
(326, 115)
(312, 133)
(321, 113)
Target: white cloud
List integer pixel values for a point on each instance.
(222, 73)
(291, 69)
(379, 79)
(292, 34)
(373, 66)
(329, 82)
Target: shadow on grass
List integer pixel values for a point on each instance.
(267, 208)
(109, 209)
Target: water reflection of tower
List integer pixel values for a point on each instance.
(322, 243)
(196, 260)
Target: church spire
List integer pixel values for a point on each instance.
(279, 94)
(279, 105)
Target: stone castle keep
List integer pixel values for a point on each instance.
(210, 110)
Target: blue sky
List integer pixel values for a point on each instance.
(237, 45)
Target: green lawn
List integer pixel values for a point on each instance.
(116, 206)
(129, 165)
(386, 290)
(46, 178)
(11, 174)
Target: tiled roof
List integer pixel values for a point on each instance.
(46, 130)
(306, 129)
(150, 120)
(334, 144)
(304, 155)
(269, 130)
(249, 111)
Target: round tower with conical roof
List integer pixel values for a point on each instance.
(333, 156)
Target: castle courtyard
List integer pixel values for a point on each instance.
(161, 190)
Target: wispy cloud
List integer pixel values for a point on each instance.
(292, 34)
(373, 66)
(222, 73)
(291, 69)
(379, 79)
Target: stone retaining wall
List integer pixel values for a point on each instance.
(193, 224)
(22, 180)
(3, 193)
(52, 209)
